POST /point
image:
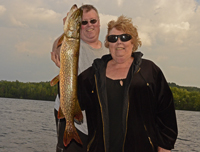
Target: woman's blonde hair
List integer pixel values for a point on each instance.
(124, 24)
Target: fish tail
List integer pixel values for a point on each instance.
(68, 136)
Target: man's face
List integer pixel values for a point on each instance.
(90, 32)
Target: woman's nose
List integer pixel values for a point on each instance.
(119, 40)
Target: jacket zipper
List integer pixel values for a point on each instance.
(150, 141)
(102, 120)
(126, 128)
(127, 120)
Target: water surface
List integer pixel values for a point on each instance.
(29, 126)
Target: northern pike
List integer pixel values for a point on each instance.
(69, 55)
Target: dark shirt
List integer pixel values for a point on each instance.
(115, 95)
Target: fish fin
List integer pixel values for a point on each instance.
(78, 118)
(55, 80)
(68, 136)
(60, 40)
(60, 114)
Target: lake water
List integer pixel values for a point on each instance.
(29, 126)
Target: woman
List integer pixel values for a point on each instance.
(128, 103)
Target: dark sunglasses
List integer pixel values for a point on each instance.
(123, 38)
(92, 21)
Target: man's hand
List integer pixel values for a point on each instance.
(55, 58)
(163, 150)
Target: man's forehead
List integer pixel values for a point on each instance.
(89, 14)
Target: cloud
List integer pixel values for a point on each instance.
(15, 22)
(171, 23)
(161, 58)
(104, 19)
(41, 14)
(2, 9)
(33, 15)
(145, 38)
(119, 2)
(178, 74)
(31, 46)
(174, 10)
(175, 27)
(169, 31)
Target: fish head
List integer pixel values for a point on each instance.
(72, 24)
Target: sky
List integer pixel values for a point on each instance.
(169, 31)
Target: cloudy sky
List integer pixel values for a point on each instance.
(169, 31)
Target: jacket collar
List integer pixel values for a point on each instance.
(101, 63)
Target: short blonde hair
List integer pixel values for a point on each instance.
(88, 7)
(124, 24)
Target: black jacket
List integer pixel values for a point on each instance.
(149, 118)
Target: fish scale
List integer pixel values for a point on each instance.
(69, 55)
(68, 83)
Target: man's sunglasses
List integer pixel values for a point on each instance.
(123, 38)
(92, 21)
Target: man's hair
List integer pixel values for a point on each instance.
(88, 7)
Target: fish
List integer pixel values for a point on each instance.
(69, 56)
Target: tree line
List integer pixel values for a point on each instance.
(28, 90)
(185, 98)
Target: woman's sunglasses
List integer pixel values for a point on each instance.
(92, 21)
(123, 38)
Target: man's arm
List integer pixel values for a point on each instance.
(55, 54)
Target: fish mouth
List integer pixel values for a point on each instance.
(74, 13)
(73, 22)
(74, 8)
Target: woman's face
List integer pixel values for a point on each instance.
(120, 51)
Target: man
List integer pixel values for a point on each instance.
(90, 48)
